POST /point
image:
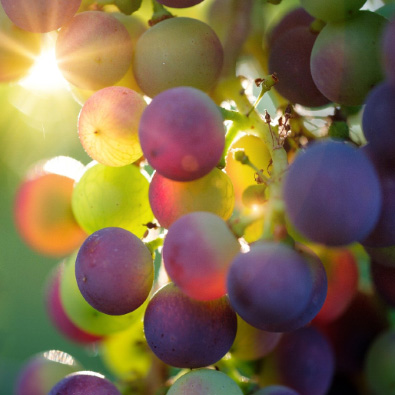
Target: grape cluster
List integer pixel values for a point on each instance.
(206, 232)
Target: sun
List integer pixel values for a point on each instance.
(44, 75)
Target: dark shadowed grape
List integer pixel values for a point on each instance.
(276, 390)
(188, 333)
(179, 3)
(84, 383)
(114, 271)
(290, 59)
(182, 134)
(332, 194)
(388, 50)
(270, 287)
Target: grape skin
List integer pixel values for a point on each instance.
(179, 3)
(177, 52)
(336, 184)
(170, 199)
(114, 271)
(188, 333)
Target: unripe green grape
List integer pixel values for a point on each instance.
(177, 52)
(112, 196)
(205, 382)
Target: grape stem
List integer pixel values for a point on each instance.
(160, 13)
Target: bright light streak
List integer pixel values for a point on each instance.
(45, 75)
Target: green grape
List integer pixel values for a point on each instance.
(205, 382)
(82, 314)
(333, 10)
(112, 196)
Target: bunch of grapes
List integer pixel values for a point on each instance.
(211, 246)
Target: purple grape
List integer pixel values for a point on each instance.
(332, 194)
(295, 18)
(305, 361)
(270, 287)
(290, 59)
(182, 134)
(114, 271)
(188, 333)
(377, 121)
(388, 51)
(84, 383)
(276, 390)
(179, 3)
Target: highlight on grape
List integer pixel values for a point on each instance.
(208, 207)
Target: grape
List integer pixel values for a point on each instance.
(334, 10)
(82, 314)
(40, 16)
(388, 44)
(188, 333)
(270, 286)
(108, 126)
(172, 199)
(18, 49)
(42, 210)
(182, 134)
(289, 58)
(292, 19)
(342, 272)
(42, 371)
(387, 11)
(204, 382)
(84, 383)
(377, 116)
(244, 176)
(177, 52)
(197, 252)
(252, 343)
(94, 50)
(126, 353)
(383, 277)
(276, 390)
(332, 183)
(379, 366)
(112, 196)
(59, 317)
(114, 271)
(345, 60)
(304, 361)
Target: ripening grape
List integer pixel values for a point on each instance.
(188, 333)
(333, 10)
(270, 286)
(82, 314)
(345, 60)
(42, 371)
(289, 58)
(204, 382)
(18, 49)
(114, 271)
(40, 16)
(197, 252)
(304, 360)
(243, 176)
(108, 126)
(177, 52)
(94, 50)
(332, 194)
(182, 134)
(171, 200)
(252, 343)
(58, 316)
(42, 208)
(179, 3)
(379, 367)
(112, 196)
(378, 118)
(87, 383)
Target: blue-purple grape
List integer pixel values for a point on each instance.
(188, 333)
(388, 51)
(332, 194)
